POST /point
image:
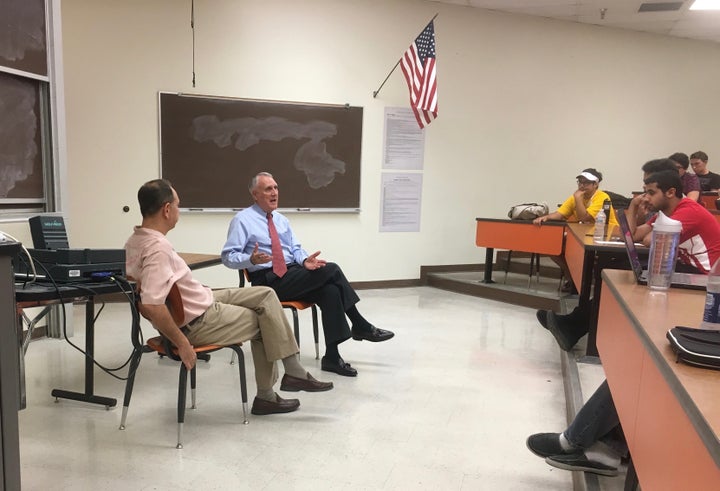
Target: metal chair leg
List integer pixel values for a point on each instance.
(134, 363)
(182, 399)
(237, 351)
(193, 388)
(507, 265)
(315, 331)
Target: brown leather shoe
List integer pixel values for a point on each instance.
(261, 406)
(309, 384)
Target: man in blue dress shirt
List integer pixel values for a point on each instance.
(294, 274)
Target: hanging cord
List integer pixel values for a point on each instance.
(192, 27)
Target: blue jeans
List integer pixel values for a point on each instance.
(597, 421)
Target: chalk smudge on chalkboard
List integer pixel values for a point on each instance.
(311, 157)
(18, 126)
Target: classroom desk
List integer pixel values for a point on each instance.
(670, 412)
(517, 235)
(199, 261)
(44, 294)
(586, 260)
(708, 199)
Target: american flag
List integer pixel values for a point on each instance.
(418, 66)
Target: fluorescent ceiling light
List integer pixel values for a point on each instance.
(705, 5)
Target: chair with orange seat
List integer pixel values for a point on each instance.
(162, 346)
(294, 306)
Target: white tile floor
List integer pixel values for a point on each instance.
(447, 404)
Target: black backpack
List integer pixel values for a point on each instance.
(699, 347)
(618, 200)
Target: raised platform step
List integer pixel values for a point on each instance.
(542, 291)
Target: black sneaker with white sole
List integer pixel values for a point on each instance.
(579, 462)
(546, 445)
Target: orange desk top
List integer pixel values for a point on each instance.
(670, 411)
(520, 235)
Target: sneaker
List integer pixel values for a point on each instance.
(566, 336)
(579, 462)
(542, 317)
(546, 445)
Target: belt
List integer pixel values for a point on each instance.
(194, 321)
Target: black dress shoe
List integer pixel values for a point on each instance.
(308, 384)
(262, 407)
(339, 367)
(374, 334)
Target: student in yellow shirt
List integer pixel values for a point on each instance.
(584, 203)
(582, 206)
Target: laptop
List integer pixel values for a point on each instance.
(679, 280)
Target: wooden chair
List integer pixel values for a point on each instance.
(162, 346)
(293, 306)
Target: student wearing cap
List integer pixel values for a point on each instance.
(582, 206)
(584, 203)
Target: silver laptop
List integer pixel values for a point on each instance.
(679, 280)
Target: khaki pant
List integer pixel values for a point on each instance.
(254, 314)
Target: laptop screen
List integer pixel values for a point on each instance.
(629, 243)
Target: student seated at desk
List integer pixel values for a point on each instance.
(593, 442)
(709, 181)
(698, 250)
(582, 206)
(222, 317)
(690, 182)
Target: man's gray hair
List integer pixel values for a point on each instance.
(254, 180)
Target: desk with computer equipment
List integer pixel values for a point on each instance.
(44, 294)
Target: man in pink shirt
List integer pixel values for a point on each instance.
(223, 317)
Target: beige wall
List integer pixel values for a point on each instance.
(524, 104)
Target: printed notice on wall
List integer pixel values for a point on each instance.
(400, 207)
(403, 140)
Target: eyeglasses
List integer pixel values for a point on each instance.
(583, 182)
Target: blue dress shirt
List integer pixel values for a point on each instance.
(250, 226)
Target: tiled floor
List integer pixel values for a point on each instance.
(447, 404)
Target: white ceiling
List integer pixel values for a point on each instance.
(694, 24)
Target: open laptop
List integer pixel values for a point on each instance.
(679, 280)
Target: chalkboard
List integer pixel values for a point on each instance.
(22, 36)
(212, 146)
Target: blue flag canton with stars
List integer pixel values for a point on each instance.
(426, 43)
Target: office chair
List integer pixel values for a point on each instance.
(294, 306)
(162, 346)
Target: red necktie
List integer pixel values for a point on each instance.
(278, 259)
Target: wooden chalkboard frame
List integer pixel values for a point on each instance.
(210, 148)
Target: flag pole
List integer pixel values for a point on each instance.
(376, 92)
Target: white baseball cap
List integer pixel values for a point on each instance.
(588, 176)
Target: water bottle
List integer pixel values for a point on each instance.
(663, 252)
(711, 316)
(599, 234)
